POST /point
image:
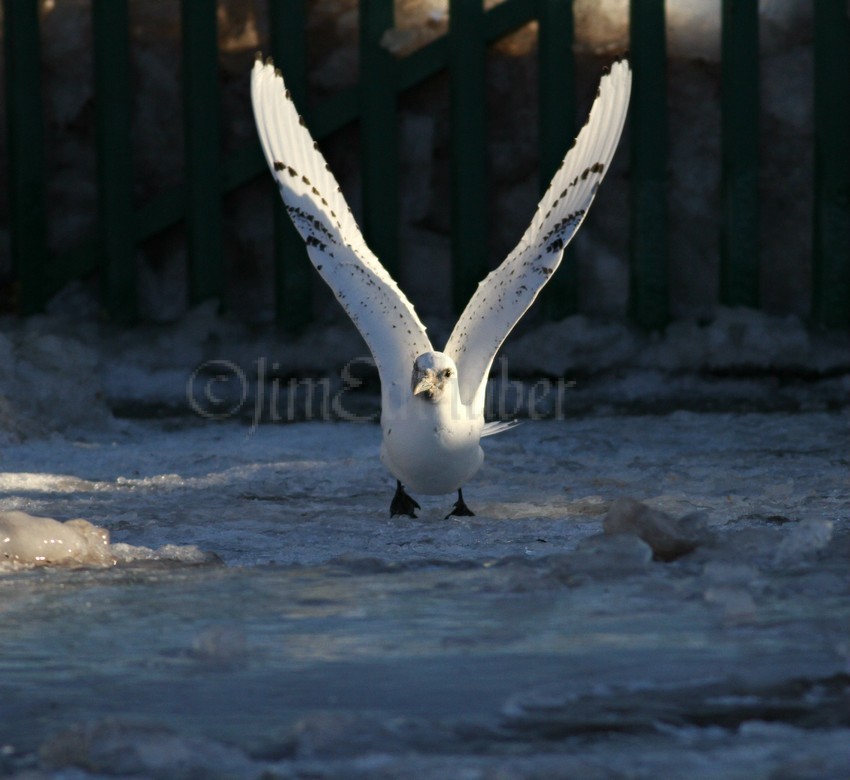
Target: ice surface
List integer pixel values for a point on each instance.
(266, 618)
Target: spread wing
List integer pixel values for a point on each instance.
(506, 293)
(314, 201)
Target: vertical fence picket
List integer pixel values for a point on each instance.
(463, 51)
(648, 122)
(831, 262)
(116, 246)
(379, 133)
(293, 277)
(468, 122)
(202, 128)
(739, 247)
(557, 101)
(25, 150)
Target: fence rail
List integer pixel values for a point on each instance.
(198, 202)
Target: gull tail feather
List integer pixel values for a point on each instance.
(498, 426)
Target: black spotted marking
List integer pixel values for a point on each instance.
(301, 121)
(288, 95)
(278, 165)
(560, 226)
(291, 171)
(305, 221)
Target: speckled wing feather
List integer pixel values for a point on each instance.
(314, 201)
(507, 292)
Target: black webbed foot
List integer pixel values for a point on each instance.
(460, 509)
(402, 504)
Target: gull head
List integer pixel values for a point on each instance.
(433, 374)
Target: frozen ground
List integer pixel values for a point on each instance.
(267, 619)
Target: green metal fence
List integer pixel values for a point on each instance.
(198, 202)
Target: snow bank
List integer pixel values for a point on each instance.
(735, 340)
(64, 371)
(49, 382)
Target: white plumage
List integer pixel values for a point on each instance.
(432, 412)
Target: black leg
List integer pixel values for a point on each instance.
(460, 509)
(402, 504)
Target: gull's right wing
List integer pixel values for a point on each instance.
(506, 293)
(314, 201)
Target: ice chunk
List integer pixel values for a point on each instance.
(27, 540)
(803, 540)
(669, 538)
(117, 746)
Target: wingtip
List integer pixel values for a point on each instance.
(619, 62)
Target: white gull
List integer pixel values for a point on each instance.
(432, 403)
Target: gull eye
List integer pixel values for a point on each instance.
(447, 373)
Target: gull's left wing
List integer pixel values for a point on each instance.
(314, 201)
(506, 293)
